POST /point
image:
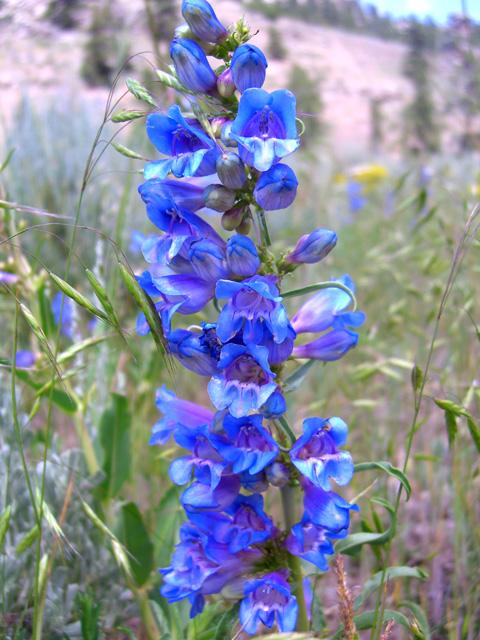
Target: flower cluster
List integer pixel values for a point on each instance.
(230, 162)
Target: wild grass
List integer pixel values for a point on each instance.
(110, 513)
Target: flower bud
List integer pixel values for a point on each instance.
(184, 31)
(233, 217)
(277, 474)
(276, 188)
(218, 197)
(275, 406)
(231, 170)
(208, 260)
(242, 257)
(248, 67)
(217, 125)
(192, 66)
(227, 140)
(313, 248)
(225, 84)
(245, 226)
(202, 20)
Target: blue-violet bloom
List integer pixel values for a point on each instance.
(192, 66)
(202, 20)
(276, 188)
(248, 67)
(266, 598)
(313, 247)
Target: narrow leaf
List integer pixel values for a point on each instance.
(61, 399)
(388, 468)
(81, 346)
(296, 378)
(114, 435)
(137, 541)
(7, 160)
(392, 573)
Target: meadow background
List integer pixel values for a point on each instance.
(390, 161)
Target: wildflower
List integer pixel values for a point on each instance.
(176, 411)
(218, 197)
(202, 20)
(268, 598)
(194, 351)
(326, 508)
(316, 456)
(242, 257)
(208, 259)
(192, 151)
(24, 359)
(265, 127)
(247, 445)
(246, 381)
(311, 542)
(62, 309)
(276, 188)
(248, 67)
(256, 301)
(329, 347)
(192, 66)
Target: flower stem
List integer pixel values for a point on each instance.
(290, 518)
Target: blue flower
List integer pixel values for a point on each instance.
(310, 542)
(274, 407)
(325, 309)
(200, 496)
(277, 474)
(202, 20)
(66, 313)
(208, 259)
(326, 508)
(24, 359)
(197, 352)
(248, 67)
(246, 381)
(355, 198)
(248, 446)
(9, 278)
(265, 127)
(313, 247)
(278, 351)
(316, 456)
(192, 151)
(256, 301)
(276, 188)
(242, 256)
(168, 193)
(192, 66)
(266, 598)
(176, 411)
(192, 291)
(329, 347)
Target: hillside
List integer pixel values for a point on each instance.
(41, 60)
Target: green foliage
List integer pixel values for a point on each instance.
(114, 435)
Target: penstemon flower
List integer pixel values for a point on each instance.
(236, 447)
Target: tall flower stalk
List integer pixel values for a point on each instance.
(225, 152)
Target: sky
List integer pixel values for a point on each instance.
(437, 9)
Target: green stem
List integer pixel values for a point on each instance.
(290, 518)
(148, 619)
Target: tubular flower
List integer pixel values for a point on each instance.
(276, 188)
(313, 247)
(192, 151)
(265, 127)
(202, 20)
(268, 598)
(192, 66)
(248, 67)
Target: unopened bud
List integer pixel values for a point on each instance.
(218, 197)
(202, 20)
(217, 124)
(233, 217)
(192, 66)
(277, 474)
(225, 84)
(244, 227)
(231, 170)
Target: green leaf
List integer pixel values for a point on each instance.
(62, 400)
(420, 615)
(296, 378)
(474, 432)
(392, 573)
(137, 541)
(451, 424)
(47, 318)
(115, 441)
(7, 160)
(355, 542)
(168, 515)
(388, 468)
(127, 631)
(4, 520)
(365, 620)
(227, 623)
